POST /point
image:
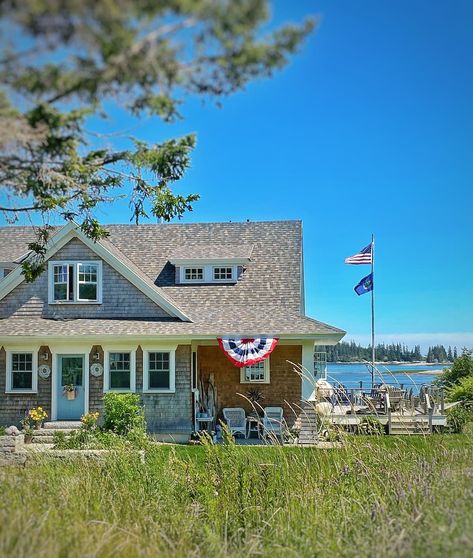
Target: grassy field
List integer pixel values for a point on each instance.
(374, 497)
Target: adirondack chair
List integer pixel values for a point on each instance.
(273, 422)
(235, 418)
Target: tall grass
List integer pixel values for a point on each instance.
(373, 497)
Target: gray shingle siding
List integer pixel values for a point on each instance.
(120, 297)
(164, 413)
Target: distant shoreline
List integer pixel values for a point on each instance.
(399, 362)
(429, 371)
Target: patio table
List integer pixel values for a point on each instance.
(253, 425)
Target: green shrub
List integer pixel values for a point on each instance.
(462, 367)
(123, 413)
(463, 391)
(370, 426)
(458, 417)
(2, 430)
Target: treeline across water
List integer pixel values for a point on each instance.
(352, 352)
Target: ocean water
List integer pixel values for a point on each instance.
(407, 374)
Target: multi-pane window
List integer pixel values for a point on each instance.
(63, 278)
(256, 373)
(208, 273)
(194, 273)
(223, 273)
(22, 371)
(87, 281)
(120, 370)
(159, 370)
(75, 282)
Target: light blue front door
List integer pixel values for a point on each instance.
(70, 372)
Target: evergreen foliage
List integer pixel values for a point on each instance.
(67, 63)
(353, 352)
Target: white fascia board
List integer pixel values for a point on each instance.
(146, 339)
(62, 237)
(196, 262)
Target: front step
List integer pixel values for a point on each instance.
(45, 435)
(62, 424)
(408, 426)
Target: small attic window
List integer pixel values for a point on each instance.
(193, 274)
(208, 273)
(223, 273)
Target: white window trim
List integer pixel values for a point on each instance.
(232, 278)
(267, 374)
(183, 274)
(172, 369)
(106, 369)
(208, 273)
(76, 264)
(9, 371)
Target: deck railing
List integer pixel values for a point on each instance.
(386, 398)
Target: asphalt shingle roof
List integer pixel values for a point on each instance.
(266, 299)
(215, 251)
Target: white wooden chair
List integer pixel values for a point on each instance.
(235, 417)
(273, 422)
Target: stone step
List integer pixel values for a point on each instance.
(42, 439)
(62, 424)
(50, 433)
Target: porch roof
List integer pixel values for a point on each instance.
(271, 323)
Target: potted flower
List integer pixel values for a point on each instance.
(70, 391)
(37, 415)
(27, 429)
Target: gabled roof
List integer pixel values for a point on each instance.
(110, 254)
(267, 298)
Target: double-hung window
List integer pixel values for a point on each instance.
(75, 282)
(256, 373)
(159, 371)
(21, 371)
(120, 367)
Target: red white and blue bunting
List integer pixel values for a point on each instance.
(245, 352)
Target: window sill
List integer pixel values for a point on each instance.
(74, 302)
(119, 390)
(265, 382)
(162, 391)
(21, 392)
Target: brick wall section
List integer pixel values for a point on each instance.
(120, 297)
(169, 413)
(95, 383)
(14, 406)
(284, 386)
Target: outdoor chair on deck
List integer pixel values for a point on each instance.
(273, 422)
(235, 417)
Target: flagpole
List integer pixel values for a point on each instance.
(373, 350)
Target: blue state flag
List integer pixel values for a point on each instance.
(365, 285)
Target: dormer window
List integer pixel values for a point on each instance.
(223, 273)
(75, 282)
(193, 274)
(208, 273)
(210, 263)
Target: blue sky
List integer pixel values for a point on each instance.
(370, 129)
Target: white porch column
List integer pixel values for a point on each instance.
(308, 381)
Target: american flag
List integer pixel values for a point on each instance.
(363, 256)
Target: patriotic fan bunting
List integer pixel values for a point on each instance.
(245, 352)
